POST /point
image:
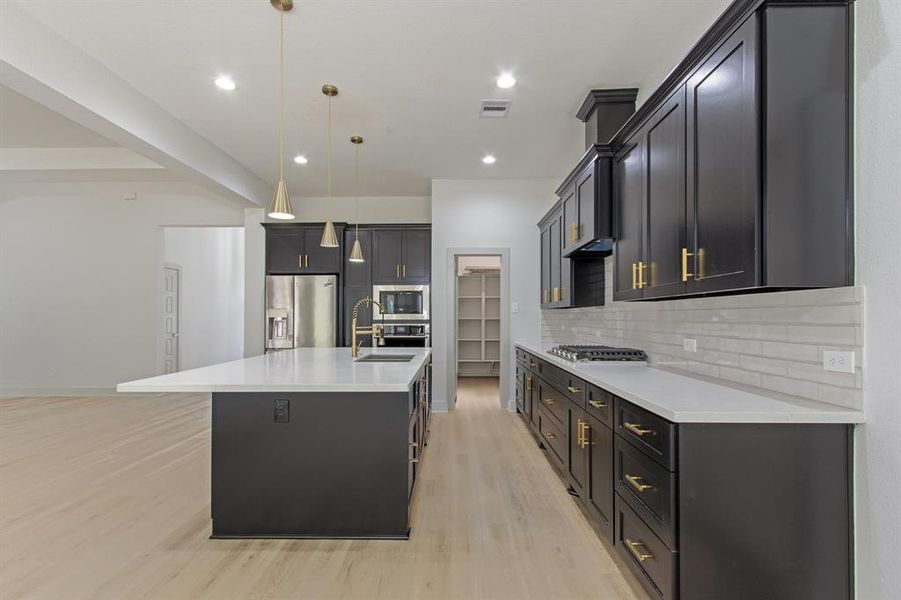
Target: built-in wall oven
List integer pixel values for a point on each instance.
(409, 335)
(400, 303)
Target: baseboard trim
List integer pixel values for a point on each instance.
(8, 391)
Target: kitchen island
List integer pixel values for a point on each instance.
(312, 443)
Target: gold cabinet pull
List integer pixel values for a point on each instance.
(582, 433)
(685, 255)
(699, 264)
(641, 268)
(637, 429)
(529, 382)
(545, 296)
(550, 436)
(397, 271)
(574, 390)
(404, 270)
(638, 550)
(549, 401)
(300, 261)
(414, 460)
(634, 275)
(533, 364)
(598, 404)
(306, 260)
(635, 481)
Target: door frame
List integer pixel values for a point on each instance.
(162, 346)
(450, 333)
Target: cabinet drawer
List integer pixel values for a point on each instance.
(644, 552)
(553, 438)
(648, 488)
(522, 357)
(599, 404)
(554, 403)
(653, 435)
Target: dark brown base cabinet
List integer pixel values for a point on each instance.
(735, 175)
(317, 465)
(700, 510)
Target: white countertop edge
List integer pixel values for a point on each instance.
(204, 379)
(794, 411)
(150, 388)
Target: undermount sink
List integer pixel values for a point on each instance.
(385, 358)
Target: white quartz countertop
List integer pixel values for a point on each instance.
(298, 370)
(686, 399)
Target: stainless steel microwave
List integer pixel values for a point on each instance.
(401, 302)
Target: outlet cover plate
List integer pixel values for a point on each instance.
(690, 344)
(838, 360)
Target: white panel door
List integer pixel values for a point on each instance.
(170, 320)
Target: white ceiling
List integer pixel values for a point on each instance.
(411, 74)
(26, 124)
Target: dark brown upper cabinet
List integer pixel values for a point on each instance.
(630, 182)
(293, 249)
(724, 208)
(649, 174)
(402, 256)
(566, 282)
(735, 174)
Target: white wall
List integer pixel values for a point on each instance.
(487, 213)
(80, 278)
(372, 209)
(211, 291)
(878, 216)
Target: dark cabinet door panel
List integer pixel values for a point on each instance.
(356, 273)
(416, 266)
(320, 260)
(586, 197)
(570, 204)
(556, 248)
(387, 251)
(578, 450)
(722, 154)
(629, 178)
(284, 251)
(665, 209)
(545, 266)
(599, 483)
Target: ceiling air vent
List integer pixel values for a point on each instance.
(494, 108)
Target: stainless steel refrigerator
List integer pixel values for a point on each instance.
(301, 311)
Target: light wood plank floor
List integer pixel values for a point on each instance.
(108, 497)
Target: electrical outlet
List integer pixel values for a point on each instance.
(839, 361)
(690, 344)
(282, 411)
(514, 307)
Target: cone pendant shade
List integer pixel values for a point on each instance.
(356, 254)
(329, 238)
(281, 203)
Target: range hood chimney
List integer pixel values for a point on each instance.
(604, 112)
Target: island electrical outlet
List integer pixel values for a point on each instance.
(282, 411)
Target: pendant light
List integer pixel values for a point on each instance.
(281, 202)
(356, 254)
(329, 238)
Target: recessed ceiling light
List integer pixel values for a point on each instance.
(489, 159)
(506, 80)
(301, 159)
(225, 83)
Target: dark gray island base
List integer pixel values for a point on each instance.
(316, 464)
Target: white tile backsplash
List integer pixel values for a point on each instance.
(772, 341)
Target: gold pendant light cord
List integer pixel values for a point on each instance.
(357, 189)
(330, 155)
(281, 98)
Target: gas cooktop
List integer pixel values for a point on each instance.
(585, 353)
